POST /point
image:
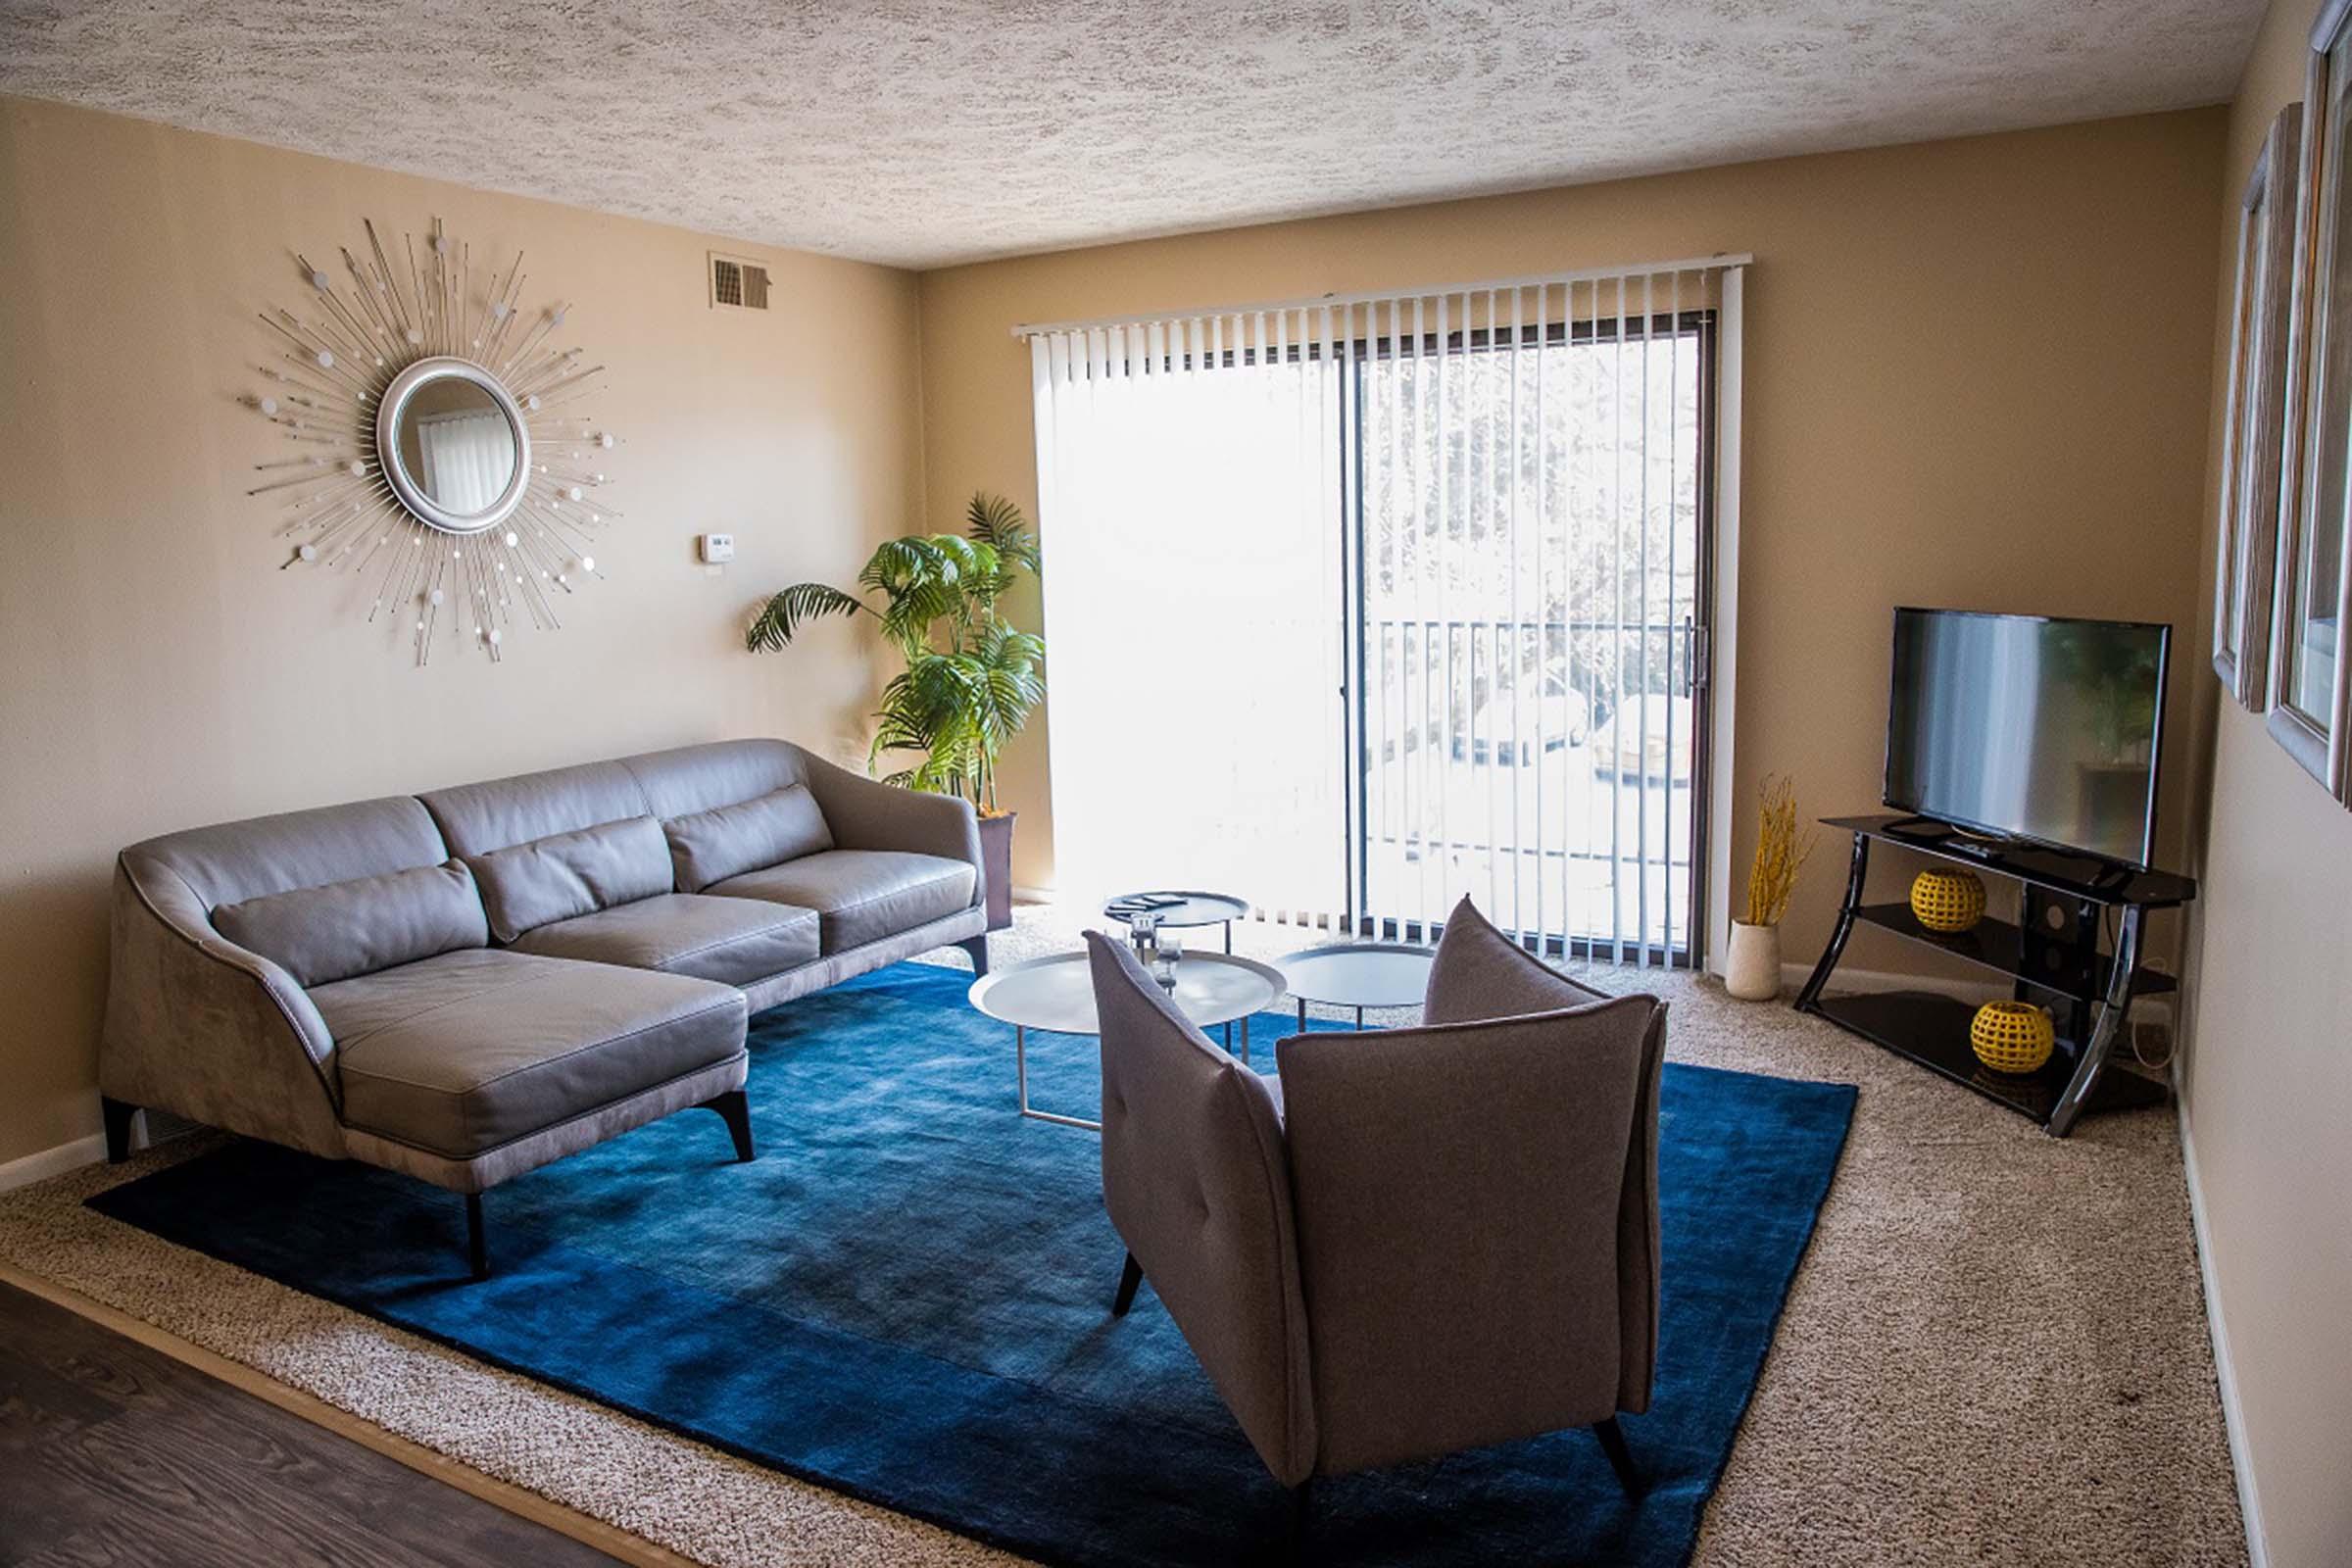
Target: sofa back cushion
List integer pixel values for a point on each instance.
(231, 861)
(711, 845)
(358, 926)
(529, 885)
(476, 818)
(687, 779)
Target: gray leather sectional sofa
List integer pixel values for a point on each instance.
(467, 984)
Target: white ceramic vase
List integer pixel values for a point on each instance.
(1752, 970)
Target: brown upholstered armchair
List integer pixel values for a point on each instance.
(1424, 1240)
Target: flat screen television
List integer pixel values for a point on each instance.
(2029, 727)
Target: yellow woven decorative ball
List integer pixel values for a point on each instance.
(2012, 1036)
(1949, 902)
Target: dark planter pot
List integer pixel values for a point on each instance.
(996, 868)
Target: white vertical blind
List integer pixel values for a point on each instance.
(1190, 504)
(1360, 605)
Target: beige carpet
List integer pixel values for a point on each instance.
(1994, 1352)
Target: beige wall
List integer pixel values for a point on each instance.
(160, 672)
(2268, 1080)
(1971, 380)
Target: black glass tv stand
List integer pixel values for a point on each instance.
(2054, 955)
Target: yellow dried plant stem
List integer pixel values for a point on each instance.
(1779, 854)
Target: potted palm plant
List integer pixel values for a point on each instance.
(971, 677)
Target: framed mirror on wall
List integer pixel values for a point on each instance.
(443, 452)
(454, 444)
(2257, 417)
(2307, 673)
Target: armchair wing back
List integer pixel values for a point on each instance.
(1194, 1182)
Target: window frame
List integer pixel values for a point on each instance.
(2319, 752)
(2252, 454)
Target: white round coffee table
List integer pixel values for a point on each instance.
(1358, 975)
(1057, 994)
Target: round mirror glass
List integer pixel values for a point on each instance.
(456, 446)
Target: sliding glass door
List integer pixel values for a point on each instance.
(1531, 547)
(1359, 607)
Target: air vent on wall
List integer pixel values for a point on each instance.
(738, 285)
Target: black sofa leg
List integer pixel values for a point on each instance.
(1621, 1458)
(117, 1117)
(1130, 1277)
(1303, 1510)
(977, 949)
(478, 1250)
(734, 1108)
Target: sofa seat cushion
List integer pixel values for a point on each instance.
(862, 895)
(733, 941)
(461, 1053)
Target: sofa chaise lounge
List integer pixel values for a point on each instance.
(469, 983)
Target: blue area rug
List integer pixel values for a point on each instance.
(907, 1298)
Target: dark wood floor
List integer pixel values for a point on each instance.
(112, 1452)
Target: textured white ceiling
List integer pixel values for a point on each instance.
(931, 131)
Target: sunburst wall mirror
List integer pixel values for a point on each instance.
(448, 456)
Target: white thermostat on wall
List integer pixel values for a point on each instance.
(716, 547)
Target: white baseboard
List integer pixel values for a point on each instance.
(2233, 1421)
(40, 1167)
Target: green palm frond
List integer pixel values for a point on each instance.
(899, 563)
(1000, 524)
(925, 706)
(908, 618)
(1002, 646)
(950, 687)
(1007, 658)
(959, 552)
(786, 612)
(1010, 696)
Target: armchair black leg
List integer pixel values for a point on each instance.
(734, 1108)
(117, 1117)
(478, 1250)
(1621, 1458)
(1129, 1278)
(977, 950)
(1303, 1510)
